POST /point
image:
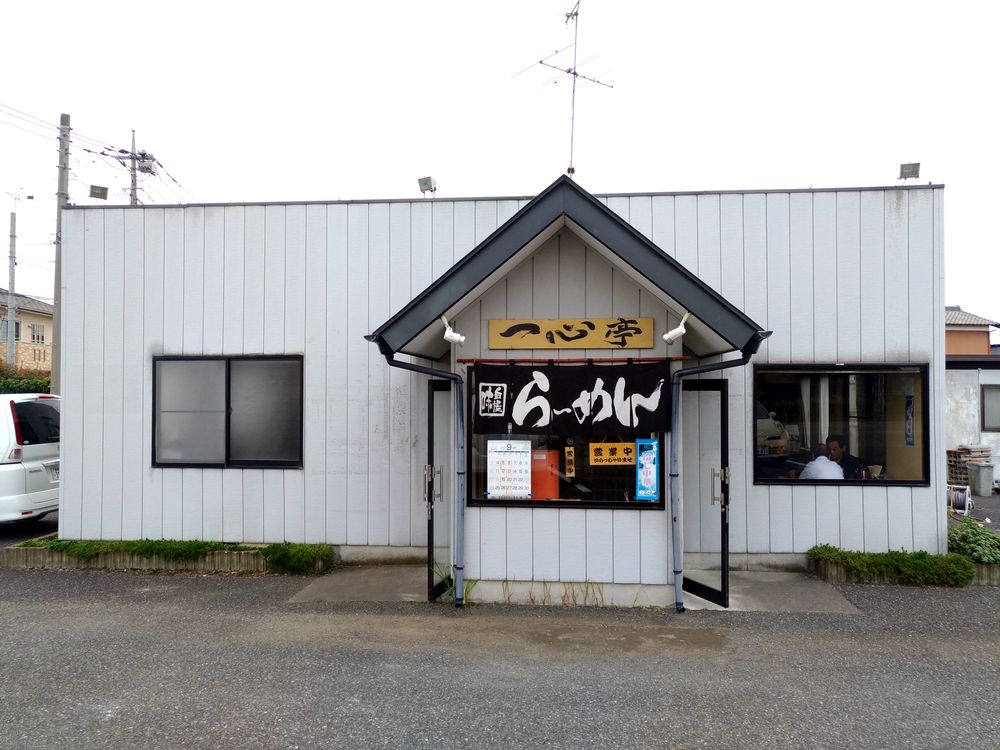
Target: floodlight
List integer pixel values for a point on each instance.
(450, 335)
(675, 333)
(427, 184)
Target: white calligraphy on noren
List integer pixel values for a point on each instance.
(596, 404)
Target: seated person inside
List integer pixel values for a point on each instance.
(822, 467)
(835, 463)
(836, 450)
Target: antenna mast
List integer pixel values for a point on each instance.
(574, 16)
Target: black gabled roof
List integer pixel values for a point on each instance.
(565, 201)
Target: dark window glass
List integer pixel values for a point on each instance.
(841, 424)
(265, 422)
(991, 408)
(37, 421)
(585, 435)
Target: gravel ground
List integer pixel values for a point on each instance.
(109, 660)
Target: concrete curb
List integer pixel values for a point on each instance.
(248, 562)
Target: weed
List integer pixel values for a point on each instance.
(298, 559)
(470, 584)
(975, 542)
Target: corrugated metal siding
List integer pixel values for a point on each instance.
(837, 275)
(564, 278)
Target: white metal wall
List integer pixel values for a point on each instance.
(270, 279)
(564, 279)
(837, 275)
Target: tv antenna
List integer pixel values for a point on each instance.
(574, 16)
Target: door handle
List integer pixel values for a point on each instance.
(432, 489)
(723, 476)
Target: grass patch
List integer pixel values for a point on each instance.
(975, 542)
(286, 557)
(907, 568)
(298, 559)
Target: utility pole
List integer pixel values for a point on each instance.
(62, 198)
(11, 299)
(138, 161)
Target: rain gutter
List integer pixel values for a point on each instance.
(459, 460)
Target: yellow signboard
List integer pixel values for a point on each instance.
(612, 454)
(572, 333)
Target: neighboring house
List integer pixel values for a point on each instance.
(973, 377)
(32, 331)
(966, 334)
(219, 385)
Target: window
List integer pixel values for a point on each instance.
(841, 423)
(37, 333)
(3, 330)
(991, 408)
(36, 421)
(227, 411)
(568, 435)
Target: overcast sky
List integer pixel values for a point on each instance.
(256, 101)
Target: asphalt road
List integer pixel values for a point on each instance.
(115, 660)
(16, 532)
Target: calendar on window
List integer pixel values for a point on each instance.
(508, 469)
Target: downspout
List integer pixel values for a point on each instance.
(676, 501)
(459, 460)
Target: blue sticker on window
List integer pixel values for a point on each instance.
(647, 469)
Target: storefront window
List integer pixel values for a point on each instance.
(991, 408)
(572, 434)
(841, 424)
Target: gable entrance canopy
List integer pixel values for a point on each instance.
(715, 326)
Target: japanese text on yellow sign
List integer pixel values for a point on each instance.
(612, 454)
(572, 333)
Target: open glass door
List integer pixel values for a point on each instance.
(710, 438)
(437, 488)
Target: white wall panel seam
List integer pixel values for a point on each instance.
(141, 489)
(812, 251)
(163, 338)
(770, 325)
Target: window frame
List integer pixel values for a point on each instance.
(838, 368)
(3, 329)
(229, 462)
(37, 333)
(982, 407)
(482, 502)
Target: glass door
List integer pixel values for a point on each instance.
(437, 488)
(712, 581)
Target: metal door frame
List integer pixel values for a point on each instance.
(718, 596)
(432, 472)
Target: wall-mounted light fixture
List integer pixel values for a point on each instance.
(427, 185)
(450, 335)
(675, 333)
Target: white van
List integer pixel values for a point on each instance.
(29, 455)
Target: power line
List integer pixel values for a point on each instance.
(28, 117)
(31, 132)
(106, 151)
(172, 178)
